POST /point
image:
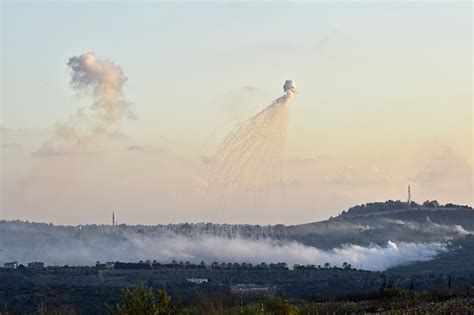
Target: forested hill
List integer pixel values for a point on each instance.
(372, 223)
(390, 207)
(379, 222)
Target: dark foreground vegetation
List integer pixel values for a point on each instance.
(237, 289)
(444, 285)
(144, 300)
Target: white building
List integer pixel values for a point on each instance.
(252, 288)
(11, 265)
(197, 280)
(109, 265)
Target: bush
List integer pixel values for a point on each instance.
(144, 301)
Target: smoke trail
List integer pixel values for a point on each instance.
(84, 129)
(246, 163)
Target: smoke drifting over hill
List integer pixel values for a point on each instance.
(79, 248)
(168, 247)
(375, 236)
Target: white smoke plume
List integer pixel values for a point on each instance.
(131, 247)
(289, 86)
(247, 163)
(431, 227)
(84, 130)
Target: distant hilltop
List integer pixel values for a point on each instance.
(391, 206)
(371, 223)
(381, 208)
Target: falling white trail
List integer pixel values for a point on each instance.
(246, 164)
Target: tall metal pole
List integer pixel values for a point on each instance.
(409, 196)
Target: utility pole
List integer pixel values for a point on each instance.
(409, 196)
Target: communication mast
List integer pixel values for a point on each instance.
(409, 196)
(113, 218)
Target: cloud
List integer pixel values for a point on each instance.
(445, 175)
(371, 175)
(47, 152)
(57, 153)
(249, 88)
(321, 43)
(21, 131)
(143, 149)
(117, 135)
(11, 145)
(206, 159)
(288, 183)
(135, 148)
(443, 163)
(284, 46)
(301, 160)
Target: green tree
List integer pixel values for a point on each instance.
(143, 301)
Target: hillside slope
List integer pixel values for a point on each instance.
(361, 230)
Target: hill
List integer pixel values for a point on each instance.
(380, 222)
(362, 235)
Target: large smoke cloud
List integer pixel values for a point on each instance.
(132, 247)
(106, 79)
(83, 131)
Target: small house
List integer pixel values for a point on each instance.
(11, 265)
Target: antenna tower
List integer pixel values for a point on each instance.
(409, 196)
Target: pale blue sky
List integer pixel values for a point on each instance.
(189, 54)
(376, 81)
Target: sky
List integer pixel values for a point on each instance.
(384, 101)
